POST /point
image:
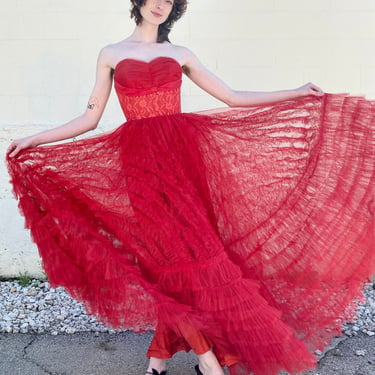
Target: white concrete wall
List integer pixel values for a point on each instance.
(48, 52)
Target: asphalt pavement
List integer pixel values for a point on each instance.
(123, 354)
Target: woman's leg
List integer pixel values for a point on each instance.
(158, 364)
(164, 344)
(209, 365)
(158, 352)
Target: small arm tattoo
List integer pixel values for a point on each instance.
(93, 102)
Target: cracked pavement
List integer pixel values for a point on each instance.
(123, 354)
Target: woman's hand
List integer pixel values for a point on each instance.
(310, 89)
(20, 144)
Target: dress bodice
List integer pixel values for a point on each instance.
(148, 89)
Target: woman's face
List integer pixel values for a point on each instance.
(156, 11)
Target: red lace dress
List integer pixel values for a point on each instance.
(248, 230)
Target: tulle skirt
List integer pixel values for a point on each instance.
(252, 227)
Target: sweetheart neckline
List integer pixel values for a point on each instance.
(146, 62)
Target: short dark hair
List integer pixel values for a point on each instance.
(179, 8)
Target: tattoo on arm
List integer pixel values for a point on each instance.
(93, 102)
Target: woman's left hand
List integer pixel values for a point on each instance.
(310, 89)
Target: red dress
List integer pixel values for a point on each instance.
(251, 229)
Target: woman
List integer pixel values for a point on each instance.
(214, 228)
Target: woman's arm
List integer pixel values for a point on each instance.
(87, 121)
(206, 80)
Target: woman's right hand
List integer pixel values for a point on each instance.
(20, 144)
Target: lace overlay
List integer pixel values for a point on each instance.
(253, 227)
(149, 105)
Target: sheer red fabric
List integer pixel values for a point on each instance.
(252, 227)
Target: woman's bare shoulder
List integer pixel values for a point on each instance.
(183, 50)
(111, 53)
(185, 54)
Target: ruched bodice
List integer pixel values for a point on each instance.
(148, 89)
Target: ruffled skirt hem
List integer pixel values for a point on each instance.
(253, 227)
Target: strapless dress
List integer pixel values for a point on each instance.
(252, 228)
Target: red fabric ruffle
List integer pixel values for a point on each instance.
(254, 227)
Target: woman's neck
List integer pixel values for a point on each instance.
(145, 34)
